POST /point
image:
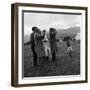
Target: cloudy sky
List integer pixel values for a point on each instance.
(45, 21)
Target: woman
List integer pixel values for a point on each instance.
(53, 43)
(39, 44)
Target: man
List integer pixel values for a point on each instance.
(53, 43)
(32, 42)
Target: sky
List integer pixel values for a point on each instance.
(45, 21)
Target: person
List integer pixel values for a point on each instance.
(32, 42)
(39, 45)
(46, 45)
(53, 43)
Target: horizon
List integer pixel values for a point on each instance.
(56, 30)
(27, 36)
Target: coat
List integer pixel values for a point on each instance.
(53, 42)
(39, 45)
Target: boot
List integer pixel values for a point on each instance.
(47, 57)
(53, 57)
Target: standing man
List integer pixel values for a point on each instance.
(53, 43)
(32, 42)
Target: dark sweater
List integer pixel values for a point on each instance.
(32, 41)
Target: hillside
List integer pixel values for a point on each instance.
(60, 33)
(68, 32)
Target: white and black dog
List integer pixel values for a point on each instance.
(68, 44)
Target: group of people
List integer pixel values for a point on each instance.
(42, 45)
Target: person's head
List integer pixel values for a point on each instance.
(44, 31)
(52, 31)
(34, 28)
(38, 31)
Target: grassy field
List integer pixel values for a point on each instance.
(64, 65)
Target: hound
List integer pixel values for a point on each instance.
(68, 44)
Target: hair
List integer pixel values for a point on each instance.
(44, 30)
(33, 28)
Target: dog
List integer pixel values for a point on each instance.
(68, 44)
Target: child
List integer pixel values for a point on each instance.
(46, 45)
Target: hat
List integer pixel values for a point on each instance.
(52, 30)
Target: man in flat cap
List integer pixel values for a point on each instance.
(32, 42)
(53, 42)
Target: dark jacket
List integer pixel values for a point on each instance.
(53, 41)
(32, 40)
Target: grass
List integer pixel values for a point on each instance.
(64, 65)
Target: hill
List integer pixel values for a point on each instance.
(60, 33)
(68, 32)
